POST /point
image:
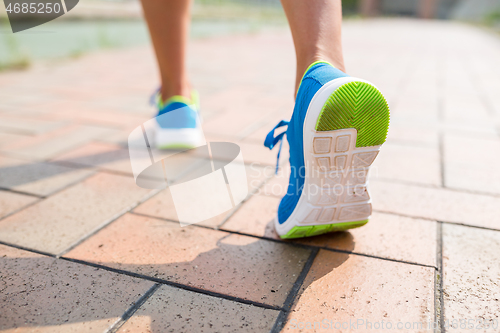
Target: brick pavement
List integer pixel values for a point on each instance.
(83, 249)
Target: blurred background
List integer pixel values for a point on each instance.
(104, 24)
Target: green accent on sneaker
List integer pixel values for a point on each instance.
(176, 146)
(357, 105)
(314, 230)
(194, 101)
(308, 68)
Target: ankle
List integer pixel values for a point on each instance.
(183, 90)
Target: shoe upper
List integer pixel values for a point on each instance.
(182, 113)
(316, 76)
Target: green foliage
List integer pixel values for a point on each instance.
(493, 18)
(17, 58)
(350, 7)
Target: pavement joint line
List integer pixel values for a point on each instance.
(435, 220)
(478, 87)
(440, 83)
(77, 165)
(4, 153)
(67, 150)
(422, 185)
(97, 168)
(231, 213)
(438, 280)
(145, 277)
(10, 130)
(174, 284)
(251, 140)
(250, 129)
(313, 247)
(247, 198)
(117, 173)
(377, 257)
(121, 144)
(409, 143)
(463, 191)
(470, 226)
(133, 309)
(7, 189)
(100, 168)
(108, 222)
(403, 80)
(19, 247)
(44, 197)
(440, 87)
(441, 159)
(309, 247)
(288, 242)
(20, 209)
(280, 322)
(73, 183)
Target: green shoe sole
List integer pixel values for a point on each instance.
(315, 230)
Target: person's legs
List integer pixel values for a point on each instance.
(177, 123)
(316, 31)
(168, 22)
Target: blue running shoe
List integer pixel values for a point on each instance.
(178, 123)
(337, 128)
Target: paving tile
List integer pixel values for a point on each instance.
(278, 185)
(257, 153)
(471, 276)
(389, 236)
(105, 156)
(405, 132)
(458, 106)
(54, 224)
(11, 202)
(119, 137)
(240, 266)
(176, 310)
(162, 204)
(259, 133)
(37, 178)
(472, 163)
(436, 204)
(482, 130)
(116, 158)
(98, 116)
(43, 294)
(255, 217)
(407, 163)
(7, 139)
(236, 124)
(29, 126)
(342, 288)
(46, 146)
(233, 96)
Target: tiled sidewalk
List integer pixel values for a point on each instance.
(83, 249)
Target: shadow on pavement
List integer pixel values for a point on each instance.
(44, 291)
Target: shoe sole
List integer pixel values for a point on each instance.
(345, 126)
(178, 139)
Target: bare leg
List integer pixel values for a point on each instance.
(168, 22)
(316, 31)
